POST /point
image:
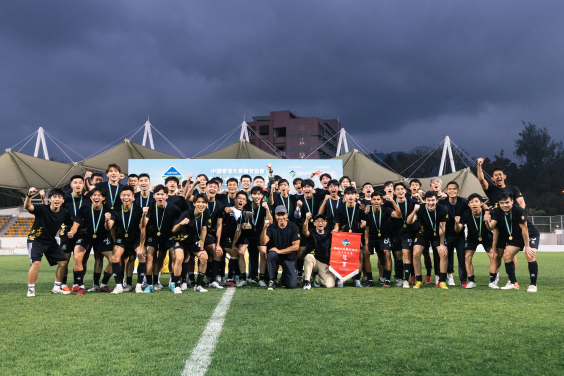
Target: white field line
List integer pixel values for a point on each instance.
(200, 358)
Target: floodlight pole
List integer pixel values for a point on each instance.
(244, 132)
(41, 140)
(149, 134)
(443, 158)
(342, 141)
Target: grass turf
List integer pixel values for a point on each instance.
(326, 332)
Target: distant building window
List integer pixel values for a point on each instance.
(251, 131)
(280, 132)
(263, 130)
(302, 127)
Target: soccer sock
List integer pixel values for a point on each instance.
(97, 278)
(243, 276)
(492, 277)
(387, 275)
(141, 271)
(65, 278)
(300, 266)
(398, 268)
(184, 272)
(232, 269)
(214, 270)
(150, 279)
(209, 272)
(407, 269)
(192, 278)
(79, 277)
(200, 279)
(533, 271)
(262, 277)
(129, 280)
(471, 278)
(31, 286)
(411, 269)
(106, 278)
(510, 270)
(368, 275)
(429, 267)
(58, 284)
(176, 280)
(419, 278)
(116, 269)
(442, 277)
(157, 277)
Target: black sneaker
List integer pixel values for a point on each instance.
(254, 281)
(270, 286)
(369, 284)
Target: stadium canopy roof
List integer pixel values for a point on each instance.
(239, 150)
(120, 154)
(467, 181)
(362, 169)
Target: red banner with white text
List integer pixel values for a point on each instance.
(345, 254)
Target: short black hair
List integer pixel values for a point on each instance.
(277, 177)
(473, 196)
(233, 180)
(367, 183)
(400, 184)
(430, 194)
(159, 188)
(415, 181)
(343, 178)
(333, 182)
(56, 192)
(453, 182)
(257, 190)
(388, 183)
(144, 175)
(204, 175)
(126, 188)
(98, 175)
(101, 191)
(113, 165)
(199, 195)
(308, 183)
(171, 178)
(502, 196)
(212, 181)
(498, 169)
(297, 180)
(349, 190)
(220, 180)
(377, 193)
(325, 175)
(283, 181)
(76, 177)
(241, 193)
(132, 176)
(246, 176)
(258, 177)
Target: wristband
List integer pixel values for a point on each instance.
(30, 196)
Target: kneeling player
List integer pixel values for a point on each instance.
(317, 260)
(512, 222)
(478, 233)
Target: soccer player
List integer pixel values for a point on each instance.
(192, 227)
(456, 207)
(41, 240)
(330, 204)
(260, 212)
(377, 234)
(478, 233)
(158, 229)
(73, 202)
(133, 181)
(130, 239)
(317, 260)
(283, 197)
(212, 240)
(282, 240)
(512, 223)
(350, 219)
(200, 182)
(325, 178)
(112, 186)
(229, 198)
(231, 241)
(433, 219)
(144, 197)
(309, 203)
(246, 181)
(88, 233)
(436, 185)
(297, 183)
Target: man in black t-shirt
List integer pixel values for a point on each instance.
(308, 203)
(317, 260)
(231, 241)
(112, 187)
(512, 224)
(331, 203)
(41, 240)
(212, 241)
(433, 219)
(478, 233)
(144, 197)
(282, 240)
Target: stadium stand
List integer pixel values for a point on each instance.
(21, 228)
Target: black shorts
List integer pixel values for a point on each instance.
(159, 244)
(52, 252)
(129, 246)
(67, 244)
(99, 246)
(401, 244)
(193, 248)
(379, 245)
(422, 240)
(519, 243)
(210, 240)
(471, 246)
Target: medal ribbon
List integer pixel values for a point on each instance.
(74, 206)
(348, 219)
(157, 216)
(255, 221)
(123, 218)
(331, 206)
(308, 208)
(404, 217)
(510, 231)
(94, 223)
(201, 224)
(148, 198)
(475, 224)
(379, 219)
(434, 225)
(112, 199)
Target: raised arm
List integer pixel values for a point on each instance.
(264, 239)
(397, 212)
(27, 203)
(413, 216)
(483, 181)
(305, 229)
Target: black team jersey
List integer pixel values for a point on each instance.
(191, 233)
(493, 193)
(142, 202)
(47, 224)
(160, 221)
(379, 223)
(288, 202)
(127, 223)
(431, 220)
(111, 193)
(508, 223)
(73, 205)
(398, 226)
(477, 230)
(349, 218)
(215, 210)
(454, 210)
(92, 222)
(179, 201)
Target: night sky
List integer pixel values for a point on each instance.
(397, 74)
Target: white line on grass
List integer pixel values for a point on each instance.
(200, 358)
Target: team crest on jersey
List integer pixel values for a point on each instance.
(346, 242)
(523, 217)
(118, 241)
(150, 240)
(64, 247)
(446, 216)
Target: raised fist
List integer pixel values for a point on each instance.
(185, 221)
(327, 197)
(32, 191)
(269, 166)
(266, 223)
(480, 162)
(145, 210)
(299, 203)
(265, 205)
(190, 176)
(457, 219)
(108, 216)
(308, 216)
(88, 175)
(416, 207)
(42, 193)
(121, 176)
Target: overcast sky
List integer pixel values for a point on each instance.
(397, 74)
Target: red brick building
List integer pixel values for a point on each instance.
(295, 137)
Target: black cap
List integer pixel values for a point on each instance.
(322, 216)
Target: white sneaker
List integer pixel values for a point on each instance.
(31, 292)
(262, 283)
(117, 290)
(510, 286)
(127, 288)
(406, 284)
(450, 280)
(315, 284)
(436, 280)
(139, 289)
(200, 289)
(307, 287)
(531, 288)
(158, 287)
(215, 285)
(93, 288)
(241, 283)
(59, 290)
(493, 285)
(399, 282)
(497, 278)
(339, 283)
(177, 290)
(184, 286)
(471, 285)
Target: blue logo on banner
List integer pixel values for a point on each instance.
(346, 242)
(292, 173)
(172, 171)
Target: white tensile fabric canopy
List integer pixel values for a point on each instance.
(239, 150)
(362, 169)
(467, 182)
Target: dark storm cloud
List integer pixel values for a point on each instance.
(397, 74)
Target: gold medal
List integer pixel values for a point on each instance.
(112, 208)
(511, 238)
(311, 220)
(94, 236)
(350, 230)
(434, 233)
(479, 239)
(404, 225)
(158, 234)
(379, 235)
(127, 235)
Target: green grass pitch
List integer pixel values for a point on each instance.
(347, 331)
